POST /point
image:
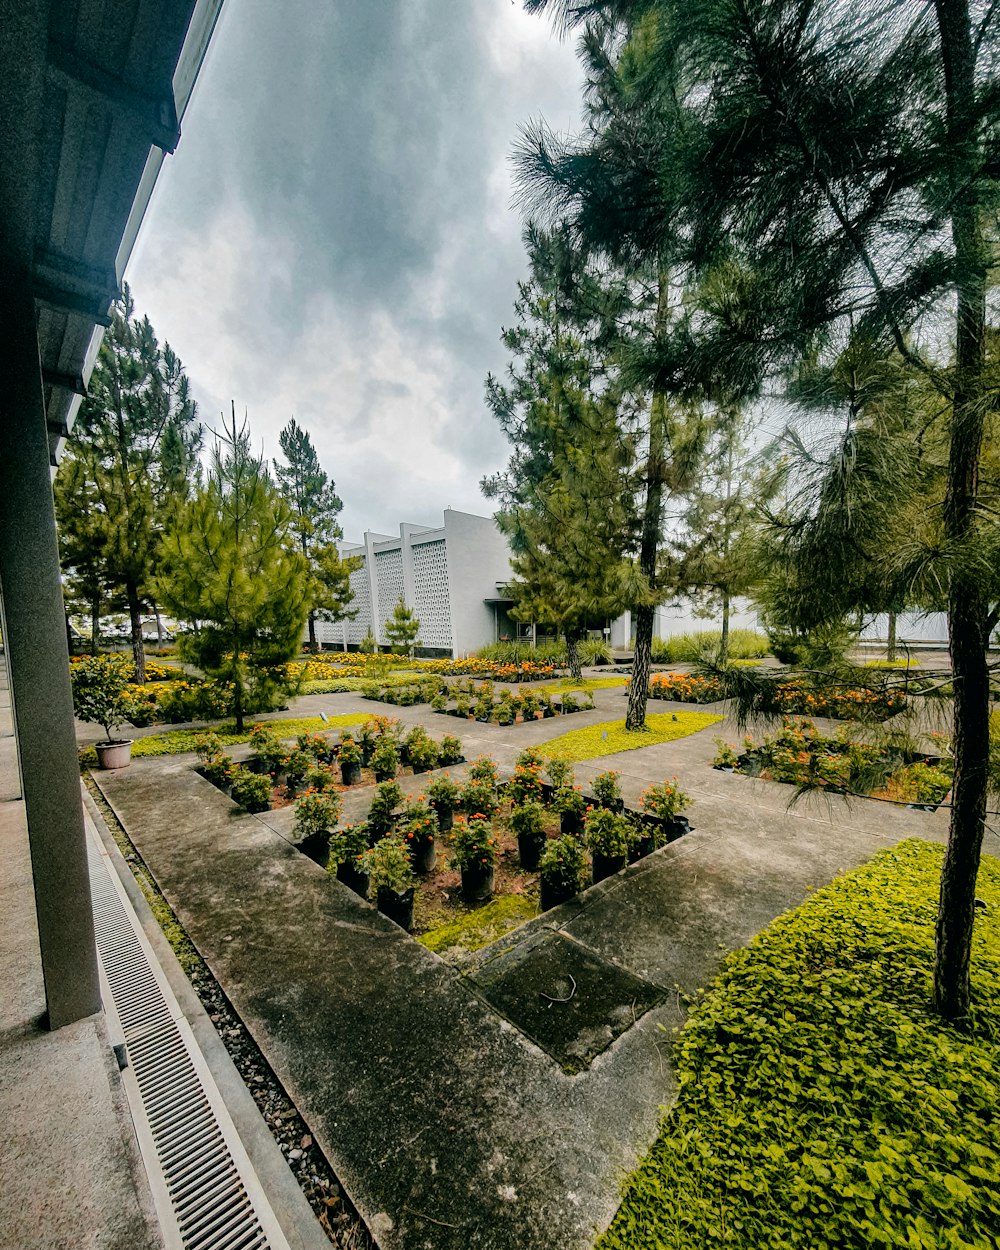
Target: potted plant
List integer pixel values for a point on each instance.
(484, 708)
(570, 804)
(662, 805)
(315, 817)
(439, 703)
(443, 795)
(607, 837)
(526, 784)
(268, 750)
(526, 822)
(295, 767)
(462, 706)
(386, 799)
(561, 867)
(560, 772)
(416, 829)
(474, 854)
(726, 759)
(390, 877)
(479, 798)
(423, 754)
(385, 758)
(100, 696)
(251, 790)
(367, 738)
(530, 757)
(484, 769)
(349, 757)
(606, 789)
(450, 750)
(347, 848)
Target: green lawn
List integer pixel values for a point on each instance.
(822, 1104)
(587, 683)
(178, 741)
(611, 736)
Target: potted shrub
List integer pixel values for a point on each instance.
(295, 767)
(607, 837)
(474, 854)
(526, 784)
(367, 739)
(607, 790)
(530, 757)
(219, 770)
(315, 817)
(100, 696)
(560, 772)
(416, 829)
(484, 769)
(662, 805)
(346, 850)
(569, 802)
(450, 751)
(423, 754)
(349, 757)
(462, 706)
(484, 708)
(385, 758)
(529, 706)
(479, 798)
(726, 758)
(443, 795)
(391, 879)
(526, 822)
(268, 750)
(386, 799)
(439, 703)
(251, 790)
(562, 868)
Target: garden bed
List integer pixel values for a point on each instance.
(791, 698)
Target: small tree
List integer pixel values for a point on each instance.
(402, 629)
(232, 568)
(100, 691)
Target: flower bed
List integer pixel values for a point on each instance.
(793, 698)
(800, 755)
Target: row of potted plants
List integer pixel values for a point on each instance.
(793, 697)
(509, 708)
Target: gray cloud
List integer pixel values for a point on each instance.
(333, 239)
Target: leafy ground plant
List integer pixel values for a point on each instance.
(610, 737)
(822, 1103)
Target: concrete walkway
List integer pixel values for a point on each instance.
(447, 1124)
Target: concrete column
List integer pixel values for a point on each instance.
(35, 639)
(406, 532)
(377, 623)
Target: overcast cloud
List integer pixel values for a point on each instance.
(333, 239)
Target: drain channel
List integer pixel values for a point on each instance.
(205, 1191)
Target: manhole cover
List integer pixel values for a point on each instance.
(567, 999)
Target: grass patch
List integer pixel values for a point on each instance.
(179, 741)
(586, 683)
(475, 929)
(891, 664)
(610, 737)
(744, 644)
(822, 1103)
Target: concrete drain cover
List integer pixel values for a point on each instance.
(568, 1000)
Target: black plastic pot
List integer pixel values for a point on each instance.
(353, 878)
(553, 894)
(423, 854)
(529, 850)
(397, 907)
(380, 776)
(640, 848)
(445, 817)
(316, 846)
(615, 805)
(477, 882)
(571, 822)
(606, 865)
(350, 774)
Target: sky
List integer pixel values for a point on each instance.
(334, 239)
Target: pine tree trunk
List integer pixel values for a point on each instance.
(573, 654)
(968, 631)
(135, 620)
(890, 640)
(238, 701)
(638, 690)
(724, 639)
(95, 626)
(159, 628)
(312, 631)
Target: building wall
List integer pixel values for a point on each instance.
(478, 558)
(430, 592)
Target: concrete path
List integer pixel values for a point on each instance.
(447, 1125)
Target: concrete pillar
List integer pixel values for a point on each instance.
(35, 639)
(377, 622)
(406, 533)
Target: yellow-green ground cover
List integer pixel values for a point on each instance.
(610, 737)
(822, 1103)
(177, 741)
(476, 928)
(586, 683)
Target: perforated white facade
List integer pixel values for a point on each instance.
(447, 575)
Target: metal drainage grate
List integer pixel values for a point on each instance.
(205, 1191)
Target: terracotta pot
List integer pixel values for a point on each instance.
(114, 754)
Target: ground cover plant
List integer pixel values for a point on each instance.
(822, 1102)
(802, 756)
(610, 737)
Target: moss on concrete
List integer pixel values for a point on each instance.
(475, 929)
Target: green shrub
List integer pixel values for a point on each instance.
(569, 801)
(744, 644)
(595, 651)
(606, 833)
(251, 790)
(666, 800)
(483, 768)
(480, 798)
(822, 1103)
(443, 793)
(527, 819)
(472, 843)
(385, 757)
(388, 866)
(347, 845)
(316, 813)
(606, 788)
(520, 652)
(560, 772)
(526, 784)
(450, 750)
(564, 863)
(99, 691)
(350, 752)
(530, 757)
(388, 796)
(268, 749)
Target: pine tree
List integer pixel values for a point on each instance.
(841, 183)
(402, 629)
(567, 494)
(315, 506)
(133, 447)
(231, 567)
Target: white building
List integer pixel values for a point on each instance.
(449, 576)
